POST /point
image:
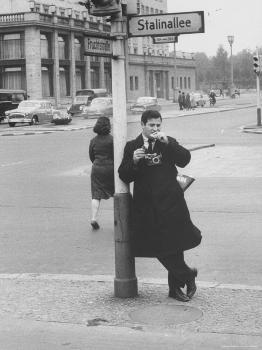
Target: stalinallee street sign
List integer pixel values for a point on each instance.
(166, 24)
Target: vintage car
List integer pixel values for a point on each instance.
(101, 106)
(83, 98)
(30, 112)
(144, 103)
(10, 99)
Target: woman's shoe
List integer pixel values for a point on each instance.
(191, 284)
(95, 225)
(177, 293)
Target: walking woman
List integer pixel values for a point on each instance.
(101, 154)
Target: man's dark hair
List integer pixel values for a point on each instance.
(102, 126)
(150, 114)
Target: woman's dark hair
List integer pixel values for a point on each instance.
(150, 114)
(102, 126)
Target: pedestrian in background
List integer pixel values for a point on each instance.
(183, 100)
(161, 224)
(101, 154)
(180, 100)
(187, 101)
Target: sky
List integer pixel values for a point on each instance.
(242, 19)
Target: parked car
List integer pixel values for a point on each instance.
(84, 98)
(60, 117)
(10, 99)
(201, 99)
(101, 106)
(31, 112)
(144, 103)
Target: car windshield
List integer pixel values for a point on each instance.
(84, 93)
(80, 99)
(28, 104)
(100, 102)
(145, 100)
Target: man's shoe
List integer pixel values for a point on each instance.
(178, 294)
(95, 225)
(191, 284)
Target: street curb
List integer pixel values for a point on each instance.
(29, 133)
(110, 279)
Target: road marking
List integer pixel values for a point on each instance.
(11, 164)
(110, 278)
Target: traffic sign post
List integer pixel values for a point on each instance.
(125, 283)
(257, 59)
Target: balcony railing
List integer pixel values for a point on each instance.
(12, 17)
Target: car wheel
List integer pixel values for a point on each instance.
(11, 125)
(33, 121)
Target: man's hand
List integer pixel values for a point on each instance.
(138, 154)
(161, 136)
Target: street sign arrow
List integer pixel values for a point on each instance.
(166, 24)
(165, 39)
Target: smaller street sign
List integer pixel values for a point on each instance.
(96, 46)
(166, 24)
(165, 39)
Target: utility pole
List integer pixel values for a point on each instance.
(125, 283)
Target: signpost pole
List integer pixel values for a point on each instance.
(125, 283)
(258, 102)
(175, 74)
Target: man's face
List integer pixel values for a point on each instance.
(151, 126)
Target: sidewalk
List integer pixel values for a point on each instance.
(53, 312)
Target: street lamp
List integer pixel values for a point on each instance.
(230, 39)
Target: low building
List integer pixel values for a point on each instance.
(42, 50)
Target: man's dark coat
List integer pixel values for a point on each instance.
(161, 220)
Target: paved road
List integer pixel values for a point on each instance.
(45, 202)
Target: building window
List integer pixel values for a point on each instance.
(181, 83)
(44, 46)
(62, 47)
(79, 78)
(11, 46)
(64, 81)
(131, 83)
(189, 82)
(47, 81)
(135, 50)
(12, 78)
(185, 83)
(172, 83)
(77, 49)
(95, 77)
(136, 83)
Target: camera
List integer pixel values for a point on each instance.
(153, 159)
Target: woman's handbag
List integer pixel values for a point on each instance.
(184, 181)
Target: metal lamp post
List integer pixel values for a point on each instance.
(230, 39)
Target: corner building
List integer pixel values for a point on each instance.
(42, 46)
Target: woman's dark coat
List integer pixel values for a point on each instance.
(161, 220)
